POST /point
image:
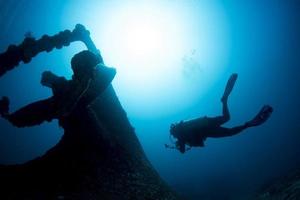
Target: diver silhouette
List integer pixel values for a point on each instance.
(90, 78)
(194, 132)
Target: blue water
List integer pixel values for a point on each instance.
(258, 40)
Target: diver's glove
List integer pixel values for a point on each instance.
(4, 106)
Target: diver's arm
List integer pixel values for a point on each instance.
(180, 145)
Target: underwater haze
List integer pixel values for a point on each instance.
(173, 59)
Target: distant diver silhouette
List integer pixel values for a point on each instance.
(89, 80)
(194, 132)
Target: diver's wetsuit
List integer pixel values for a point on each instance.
(194, 132)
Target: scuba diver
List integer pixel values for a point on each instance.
(70, 97)
(194, 132)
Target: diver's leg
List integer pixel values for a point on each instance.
(262, 116)
(225, 112)
(225, 132)
(218, 121)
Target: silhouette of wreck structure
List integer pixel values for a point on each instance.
(99, 155)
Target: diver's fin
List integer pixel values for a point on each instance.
(262, 116)
(229, 86)
(4, 106)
